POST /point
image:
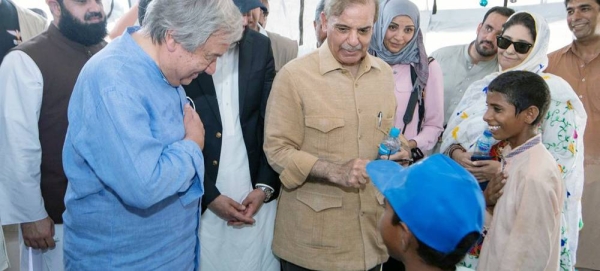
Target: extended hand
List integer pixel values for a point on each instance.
(463, 158)
(495, 188)
(402, 156)
(350, 174)
(39, 234)
(194, 128)
(485, 169)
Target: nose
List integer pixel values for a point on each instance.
(245, 19)
(487, 117)
(491, 36)
(95, 6)
(353, 38)
(211, 68)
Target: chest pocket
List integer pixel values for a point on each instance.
(325, 136)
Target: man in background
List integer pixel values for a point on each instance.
(236, 229)
(39, 76)
(17, 25)
(467, 63)
(578, 63)
(284, 49)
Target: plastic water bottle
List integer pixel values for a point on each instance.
(390, 144)
(483, 146)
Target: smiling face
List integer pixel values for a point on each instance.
(509, 58)
(503, 121)
(400, 31)
(349, 34)
(583, 17)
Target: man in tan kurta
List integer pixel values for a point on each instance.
(326, 114)
(578, 63)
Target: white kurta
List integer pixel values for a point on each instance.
(225, 247)
(20, 193)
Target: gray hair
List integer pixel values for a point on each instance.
(335, 8)
(192, 22)
(320, 8)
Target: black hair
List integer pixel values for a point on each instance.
(567, 1)
(523, 89)
(504, 11)
(444, 261)
(523, 19)
(142, 5)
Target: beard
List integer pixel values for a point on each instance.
(86, 34)
(485, 52)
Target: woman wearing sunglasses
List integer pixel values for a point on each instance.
(419, 90)
(523, 45)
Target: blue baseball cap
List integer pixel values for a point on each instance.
(439, 200)
(248, 5)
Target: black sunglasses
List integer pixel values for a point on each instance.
(520, 47)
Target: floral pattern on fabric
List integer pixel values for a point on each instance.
(565, 120)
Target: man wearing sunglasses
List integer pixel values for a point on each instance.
(467, 63)
(578, 63)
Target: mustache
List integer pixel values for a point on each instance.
(486, 41)
(348, 47)
(92, 15)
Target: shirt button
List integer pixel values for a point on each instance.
(356, 85)
(583, 80)
(218, 135)
(359, 136)
(359, 111)
(215, 162)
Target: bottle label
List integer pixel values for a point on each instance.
(384, 150)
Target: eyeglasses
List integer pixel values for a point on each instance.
(520, 47)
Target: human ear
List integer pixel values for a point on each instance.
(323, 22)
(531, 114)
(54, 8)
(170, 42)
(405, 236)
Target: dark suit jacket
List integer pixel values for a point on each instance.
(256, 73)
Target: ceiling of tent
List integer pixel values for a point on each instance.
(454, 23)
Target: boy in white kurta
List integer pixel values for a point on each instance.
(524, 233)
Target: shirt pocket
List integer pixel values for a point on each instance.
(326, 136)
(382, 129)
(318, 219)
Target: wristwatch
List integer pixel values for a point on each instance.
(268, 191)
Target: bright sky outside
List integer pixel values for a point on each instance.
(455, 22)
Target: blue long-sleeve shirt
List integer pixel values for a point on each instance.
(134, 183)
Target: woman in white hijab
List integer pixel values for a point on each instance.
(562, 128)
(397, 39)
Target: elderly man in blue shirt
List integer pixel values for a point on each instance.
(133, 148)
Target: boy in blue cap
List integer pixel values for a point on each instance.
(434, 212)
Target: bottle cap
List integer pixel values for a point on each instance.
(394, 132)
(487, 133)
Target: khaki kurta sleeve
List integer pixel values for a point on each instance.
(284, 132)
